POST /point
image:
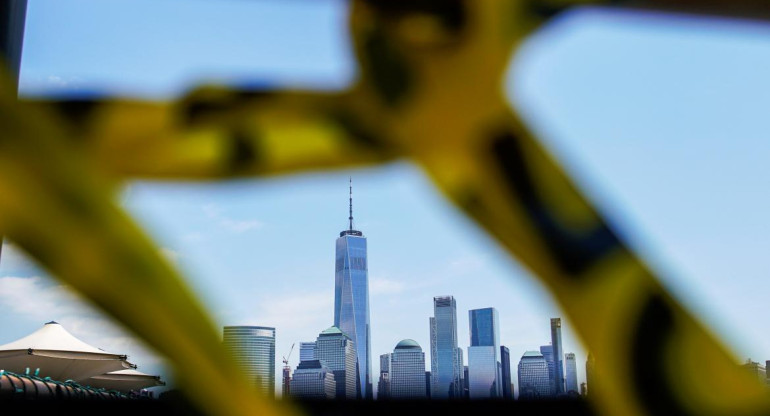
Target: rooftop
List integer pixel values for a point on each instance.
(333, 331)
(408, 344)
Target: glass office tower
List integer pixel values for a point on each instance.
(570, 367)
(253, 348)
(446, 361)
(312, 380)
(407, 371)
(534, 381)
(306, 351)
(558, 355)
(484, 354)
(337, 352)
(351, 299)
(547, 351)
(505, 361)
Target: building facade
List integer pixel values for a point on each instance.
(505, 364)
(756, 369)
(351, 299)
(534, 382)
(383, 385)
(312, 380)
(286, 384)
(590, 374)
(484, 354)
(407, 371)
(570, 368)
(466, 389)
(307, 351)
(558, 355)
(253, 349)
(337, 352)
(446, 358)
(547, 351)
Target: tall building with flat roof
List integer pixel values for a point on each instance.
(547, 351)
(534, 381)
(570, 368)
(383, 385)
(351, 299)
(505, 364)
(313, 380)
(286, 384)
(446, 359)
(253, 349)
(407, 371)
(337, 352)
(558, 354)
(484, 354)
(590, 374)
(466, 389)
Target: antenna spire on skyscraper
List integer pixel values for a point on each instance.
(350, 218)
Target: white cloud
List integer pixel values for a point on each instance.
(383, 286)
(296, 312)
(192, 237)
(236, 226)
(240, 226)
(466, 264)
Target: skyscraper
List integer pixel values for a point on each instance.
(383, 386)
(547, 351)
(534, 381)
(590, 373)
(312, 380)
(407, 371)
(484, 354)
(558, 354)
(570, 367)
(253, 348)
(351, 299)
(505, 361)
(466, 389)
(446, 361)
(286, 384)
(337, 352)
(306, 351)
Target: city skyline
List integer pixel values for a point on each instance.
(683, 238)
(463, 341)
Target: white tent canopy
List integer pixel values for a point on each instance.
(59, 355)
(124, 381)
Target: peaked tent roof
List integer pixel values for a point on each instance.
(124, 381)
(52, 336)
(59, 355)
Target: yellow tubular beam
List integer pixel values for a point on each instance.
(57, 207)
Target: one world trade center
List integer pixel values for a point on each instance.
(351, 299)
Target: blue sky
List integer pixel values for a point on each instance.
(660, 119)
